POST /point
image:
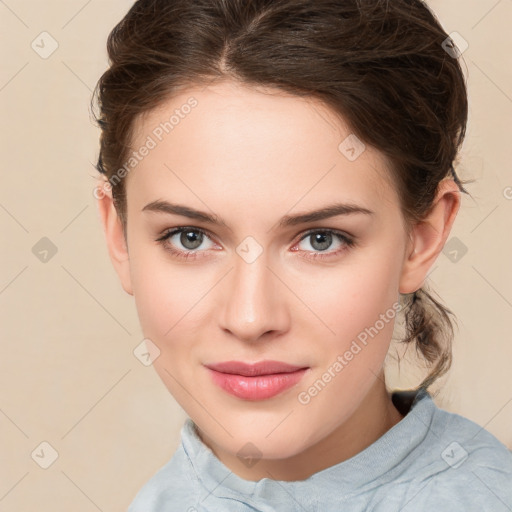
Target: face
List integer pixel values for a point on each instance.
(317, 293)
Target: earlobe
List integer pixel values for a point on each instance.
(114, 235)
(428, 237)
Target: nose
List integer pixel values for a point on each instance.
(254, 301)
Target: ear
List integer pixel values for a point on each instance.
(428, 237)
(113, 229)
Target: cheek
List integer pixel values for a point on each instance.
(360, 305)
(165, 294)
(349, 298)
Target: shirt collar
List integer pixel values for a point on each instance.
(380, 459)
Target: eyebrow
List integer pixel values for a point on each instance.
(286, 221)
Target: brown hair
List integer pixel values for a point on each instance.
(381, 65)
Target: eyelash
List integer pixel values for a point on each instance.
(192, 255)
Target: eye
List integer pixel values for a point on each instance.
(187, 237)
(322, 239)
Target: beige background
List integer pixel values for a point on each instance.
(68, 373)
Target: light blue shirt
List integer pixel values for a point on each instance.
(432, 460)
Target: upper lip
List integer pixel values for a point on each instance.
(254, 369)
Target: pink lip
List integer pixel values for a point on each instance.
(258, 381)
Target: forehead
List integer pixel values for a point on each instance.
(250, 147)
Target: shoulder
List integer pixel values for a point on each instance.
(468, 441)
(465, 467)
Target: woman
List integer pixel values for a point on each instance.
(278, 179)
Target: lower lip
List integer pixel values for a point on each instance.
(256, 388)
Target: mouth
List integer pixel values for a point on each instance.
(255, 381)
(254, 369)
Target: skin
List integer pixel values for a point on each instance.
(251, 156)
